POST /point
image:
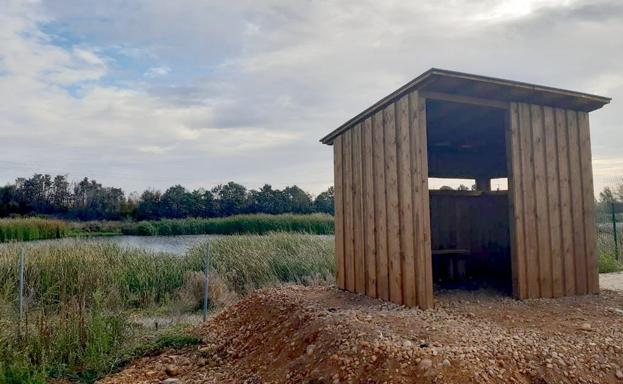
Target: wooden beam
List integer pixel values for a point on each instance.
(380, 207)
(407, 238)
(369, 210)
(393, 205)
(465, 99)
(339, 213)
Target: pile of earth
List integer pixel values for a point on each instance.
(298, 334)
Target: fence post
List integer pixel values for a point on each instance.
(205, 287)
(614, 231)
(21, 288)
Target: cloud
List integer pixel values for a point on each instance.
(157, 71)
(249, 87)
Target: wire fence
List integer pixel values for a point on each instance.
(62, 311)
(609, 222)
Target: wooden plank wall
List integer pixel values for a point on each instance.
(552, 203)
(475, 221)
(383, 246)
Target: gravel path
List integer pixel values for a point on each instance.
(323, 335)
(612, 281)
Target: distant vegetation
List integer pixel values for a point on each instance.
(234, 225)
(31, 229)
(85, 300)
(258, 224)
(89, 200)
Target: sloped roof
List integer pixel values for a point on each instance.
(482, 87)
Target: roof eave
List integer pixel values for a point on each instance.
(421, 79)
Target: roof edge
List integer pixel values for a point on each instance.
(419, 80)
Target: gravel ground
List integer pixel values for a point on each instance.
(322, 335)
(613, 281)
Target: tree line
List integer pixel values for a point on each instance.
(87, 199)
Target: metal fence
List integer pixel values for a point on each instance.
(609, 222)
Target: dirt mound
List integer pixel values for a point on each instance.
(322, 335)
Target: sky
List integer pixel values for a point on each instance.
(151, 93)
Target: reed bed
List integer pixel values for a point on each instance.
(251, 261)
(31, 229)
(81, 297)
(318, 224)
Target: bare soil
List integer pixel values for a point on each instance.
(323, 335)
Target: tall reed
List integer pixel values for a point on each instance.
(79, 295)
(318, 224)
(31, 229)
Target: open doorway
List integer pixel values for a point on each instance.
(470, 234)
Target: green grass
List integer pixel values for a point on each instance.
(234, 225)
(608, 263)
(31, 229)
(82, 299)
(607, 251)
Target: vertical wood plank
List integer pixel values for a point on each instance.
(369, 210)
(418, 204)
(515, 188)
(339, 212)
(349, 235)
(566, 228)
(360, 261)
(380, 207)
(425, 294)
(405, 164)
(393, 213)
(553, 195)
(541, 193)
(589, 203)
(527, 171)
(577, 214)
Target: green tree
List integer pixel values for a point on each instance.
(324, 202)
(231, 198)
(298, 200)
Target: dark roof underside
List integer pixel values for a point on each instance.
(482, 87)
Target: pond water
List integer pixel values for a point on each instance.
(177, 245)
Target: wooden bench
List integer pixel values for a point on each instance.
(456, 263)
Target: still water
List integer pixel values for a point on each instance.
(177, 245)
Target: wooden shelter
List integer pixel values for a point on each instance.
(539, 235)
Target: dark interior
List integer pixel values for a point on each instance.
(469, 229)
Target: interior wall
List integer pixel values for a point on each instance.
(475, 224)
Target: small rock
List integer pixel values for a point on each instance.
(619, 374)
(425, 364)
(171, 380)
(172, 370)
(407, 344)
(445, 363)
(585, 326)
(310, 349)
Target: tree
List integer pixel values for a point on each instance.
(60, 196)
(176, 203)
(298, 201)
(267, 200)
(149, 205)
(324, 202)
(606, 196)
(231, 198)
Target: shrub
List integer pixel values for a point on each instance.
(608, 263)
